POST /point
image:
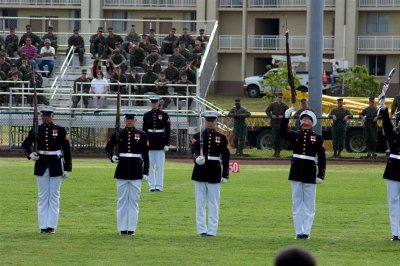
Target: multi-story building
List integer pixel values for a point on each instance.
(365, 32)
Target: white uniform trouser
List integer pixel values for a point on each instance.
(207, 192)
(303, 206)
(128, 192)
(393, 191)
(156, 174)
(48, 200)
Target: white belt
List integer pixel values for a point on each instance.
(305, 157)
(213, 158)
(394, 156)
(156, 130)
(58, 153)
(130, 155)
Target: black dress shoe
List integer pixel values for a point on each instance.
(131, 233)
(152, 190)
(50, 230)
(157, 190)
(306, 237)
(42, 231)
(203, 234)
(123, 232)
(298, 237)
(395, 238)
(210, 235)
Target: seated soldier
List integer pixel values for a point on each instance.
(161, 88)
(118, 77)
(136, 55)
(182, 90)
(133, 77)
(82, 86)
(36, 80)
(118, 60)
(153, 60)
(11, 43)
(149, 78)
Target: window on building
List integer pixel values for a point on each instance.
(8, 23)
(120, 26)
(188, 17)
(75, 24)
(377, 22)
(377, 65)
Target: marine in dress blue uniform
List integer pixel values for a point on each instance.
(305, 170)
(210, 170)
(132, 158)
(392, 172)
(52, 162)
(157, 125)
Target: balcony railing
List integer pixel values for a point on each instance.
(379, 43)
(269, 42)
(270, 3)
(378, 3)
(42, 2)
(152, 3)
(230, 42)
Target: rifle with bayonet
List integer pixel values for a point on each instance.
(35, 127)
(118, 118)
(289, 69)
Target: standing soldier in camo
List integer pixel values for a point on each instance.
(276, 111)
(339, 116)
(239, 115)
(81, 85)
(52, 162)
(370, 116)
(157, 125)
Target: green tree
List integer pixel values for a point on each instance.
(358, 82)
(277, 80)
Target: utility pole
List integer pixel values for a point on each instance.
(315, 41)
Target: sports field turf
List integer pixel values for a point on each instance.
(351, 226)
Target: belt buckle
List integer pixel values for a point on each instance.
(154, 130)
(46, 152)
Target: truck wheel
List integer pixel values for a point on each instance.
(355, 141)
(253, 91)
(264, 140)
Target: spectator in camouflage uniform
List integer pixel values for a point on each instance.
(51, 36)
(118, 60)
(178, 59)
(190, 70)
(370, 130)
(78, 43)
(145, 44)
(79, 87)
(202, 38)
(130, 38)
(167, 45)
(183, 91)
(161, 88)
(153, 60)
(184, 51)
(152, 37)
(14, 82)
(136, 55)
(118, 77)
(14, 69)
(186, 38)
(110, 42)
(4, 66)
(395, 109)
(239, 115)
(133, 77)
(339, 116)
(97, 43)
(11, 43)
(25, 68)
(276, 111)
(149, 78)
(172, 72)
(29, 34)
(41, 99)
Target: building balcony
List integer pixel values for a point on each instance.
(41, 2)
(152, 3)
(271, 4)
(378, 3)
(379, 44)
(270, 42)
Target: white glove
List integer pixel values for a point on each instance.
(200, 160)
(166, 148)
(145, 177)
(318, 180)
(34, 156)
(115, 159)
(289, 112)
(65, 175)
(224, 180)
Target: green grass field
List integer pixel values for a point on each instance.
(351, 226)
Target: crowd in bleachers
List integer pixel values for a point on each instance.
(132, 59)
